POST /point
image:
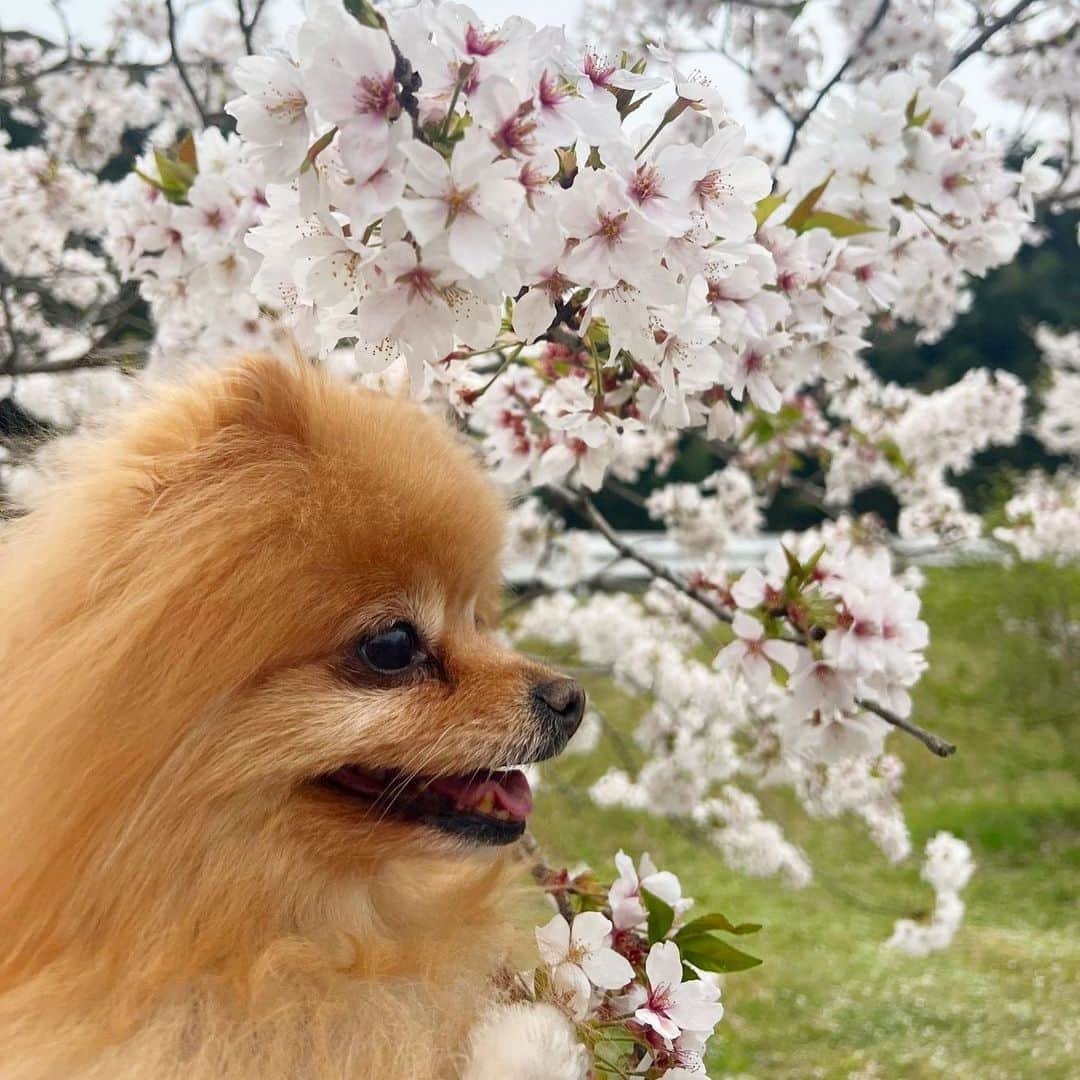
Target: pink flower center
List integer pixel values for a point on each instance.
(479, 43)
(646, 184)
(660, 999)
(712, 187)
(549, 92)
(609, 227)
(374, 96)
(459, 201)
(599, 71)
(515, 132)
(420, 282)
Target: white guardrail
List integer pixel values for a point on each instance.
(741, 553)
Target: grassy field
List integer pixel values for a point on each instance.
(829, 1001)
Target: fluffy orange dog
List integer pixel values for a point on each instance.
(252, 717)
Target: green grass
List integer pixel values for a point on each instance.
(829, 1001)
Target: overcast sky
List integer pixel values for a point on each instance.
(88, 17)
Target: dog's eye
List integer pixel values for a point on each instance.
(392, 650)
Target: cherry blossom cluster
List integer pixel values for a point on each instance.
(486, 205)
(911, 441)
(1042, 518)
(826, 628)
(56, 290)
(789, 59)
(86, 100)
(947, 869)
(787, 50)
(635, 975)
(1058, 426)
(177, 226)
(935, 200)
(66, 317)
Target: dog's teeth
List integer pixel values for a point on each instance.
(486, 805)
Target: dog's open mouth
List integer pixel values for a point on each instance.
(485, 807)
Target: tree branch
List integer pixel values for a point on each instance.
(247, 26)
(583, 505)
(934, 743)
(841, 71)
(181, 67)
(760, 87)
(988, 31)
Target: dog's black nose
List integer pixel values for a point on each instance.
(562, 702)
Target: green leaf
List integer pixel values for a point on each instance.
(811, 564)
(895, 456)
(364, 13)
(716, 921)
(661, 916)
(767, 206)
(176, 176)
(805, 206)
(712, 954)
(837, 224)
(915, 119)
(793, 564)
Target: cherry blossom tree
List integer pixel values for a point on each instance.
(575, 250)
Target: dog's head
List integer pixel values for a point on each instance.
(276, 635)
(384, 713)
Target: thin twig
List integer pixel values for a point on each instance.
(542, 873)
(584, 506)
(247, 26)
(181, 67)
(760, 87)
(841, 71)
(988, 31)
(93, 358)
(934, 743)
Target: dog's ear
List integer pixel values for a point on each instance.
(263, 394)
(256, 410)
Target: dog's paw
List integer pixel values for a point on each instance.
(525, 1042)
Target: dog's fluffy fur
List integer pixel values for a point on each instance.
(177, 899)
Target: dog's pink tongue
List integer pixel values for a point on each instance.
(509, 791)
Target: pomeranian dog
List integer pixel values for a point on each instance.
(258, 749)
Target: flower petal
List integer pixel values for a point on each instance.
(607, 969)
(553, 940)
(590, 929)
(663, 965)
